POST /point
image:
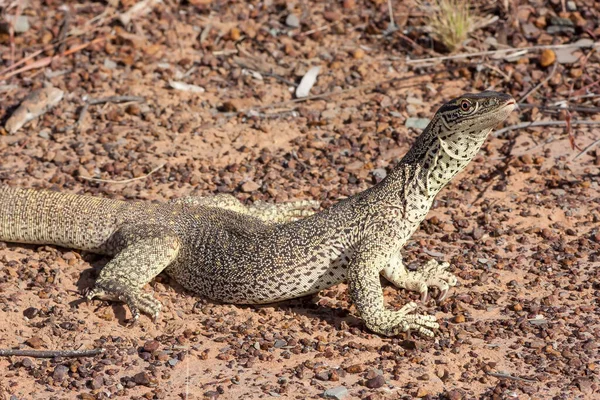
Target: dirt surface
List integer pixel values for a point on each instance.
(521, 226)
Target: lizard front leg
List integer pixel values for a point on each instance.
(366, 293)
(136, 264)
(432, 274)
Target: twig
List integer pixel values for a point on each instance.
(50, 353)
(539, 85)
(102, 100)
(502, 375)
(11, 31)
(497, 52)
(542, 123)
(47, 60)
(391, 11)
(88, 178)
(585, 150)
(116, 99)
(592, 110)
(64, 29)
(332, 93)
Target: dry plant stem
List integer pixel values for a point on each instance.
(542, 107)
(64, 29)
(47, 60)
(542, 123)
(330, 94)
(586, 149)
(88, 178)
(11, 31)
(50, 353)
(511, 377)
(539, 85)
(496, 52)
(116, 99)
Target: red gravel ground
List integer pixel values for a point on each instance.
(521, 226)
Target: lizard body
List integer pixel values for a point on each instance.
(219, 248)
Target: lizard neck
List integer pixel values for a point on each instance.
(428, 166)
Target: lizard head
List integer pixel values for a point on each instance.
(465, 122)
(456, 132)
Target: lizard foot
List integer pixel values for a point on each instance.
(432, 274)
(136, 301)
(394, 322)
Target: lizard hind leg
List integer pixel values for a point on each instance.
(135, 265)
(283, 212)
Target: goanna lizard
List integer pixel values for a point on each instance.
(219, 248)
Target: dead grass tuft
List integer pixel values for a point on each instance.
(450, 21)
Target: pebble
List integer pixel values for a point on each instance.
(547, 57)
(142, 378)
(355, 369)
(322, 376)
(379, 173)
(21, 24)
(60, 372)
(338, 392)
(376, 382)
(250, 186)
(358, 54)
(151, 345)
(417, 123)
(292, 21)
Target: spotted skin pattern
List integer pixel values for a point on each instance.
(219, 248)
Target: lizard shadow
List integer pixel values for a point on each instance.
(312, 306)
(87, 278)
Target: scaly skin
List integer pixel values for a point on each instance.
(217, 247)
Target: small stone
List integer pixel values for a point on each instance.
(292, 21)
(454, 394)
(322, 376)
(280, 343)
(547, 58)
(235, 34)
(250, 186)
(211, 394)
(28, 363)
(349, 4)
(355, 369)
(60, 372)
(477, 233)
(338, 392)
(109, 64)
(173, 362)
(417, 123)
(31, 312)
(422, 392)
(35, 342)
(142, 378)
(376, 382)
(151, 345)
(358, 54)
(517, 307)
(459, 319)
(379, 173)
(97, 382)
(571, 6)
(21, 24)
(44, 134)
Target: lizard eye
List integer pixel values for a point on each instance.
(465, 105)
